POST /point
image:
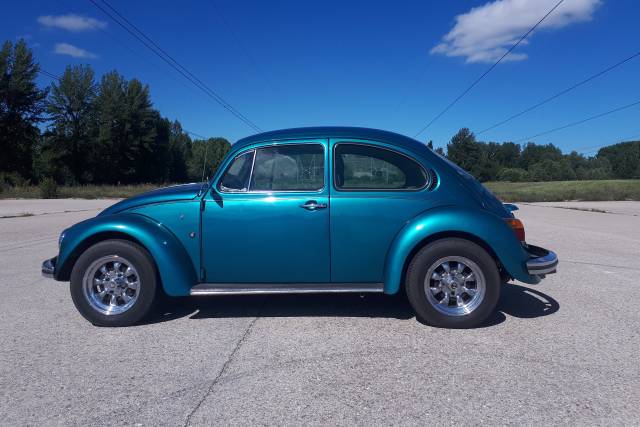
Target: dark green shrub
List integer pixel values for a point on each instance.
(48, 188)
(513, 175)
(552, 170)
(12, 179)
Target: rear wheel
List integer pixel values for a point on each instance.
(453, 283)
(113, 283)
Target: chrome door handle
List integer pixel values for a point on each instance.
(312, 205)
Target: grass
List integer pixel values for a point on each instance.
(557, 191)
(554, 191)
(80, 191)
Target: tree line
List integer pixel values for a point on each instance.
(490, 161)
(81, 130)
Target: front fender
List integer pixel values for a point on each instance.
(176, 269)
(483, 225)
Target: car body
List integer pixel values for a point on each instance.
(324, 209)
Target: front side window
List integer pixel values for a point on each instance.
(364, 167)
(288, 168)
(236, 178)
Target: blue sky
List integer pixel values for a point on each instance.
(389, 65)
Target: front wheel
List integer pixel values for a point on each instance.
(113, 283)
(453, 283)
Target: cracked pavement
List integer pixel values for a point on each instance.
(563, 352)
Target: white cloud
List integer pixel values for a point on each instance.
(486, 32)
(71, 50)
(71, 22)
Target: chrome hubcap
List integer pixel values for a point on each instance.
(454, 286)
(111, 285)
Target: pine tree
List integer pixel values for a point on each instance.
(68, 141)
(21, 108)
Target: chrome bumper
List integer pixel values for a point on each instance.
(49, 267)
(542, 261)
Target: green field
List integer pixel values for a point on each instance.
(554, 191)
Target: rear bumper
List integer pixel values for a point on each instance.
(542, 261)
(49, 267)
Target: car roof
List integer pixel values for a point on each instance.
(333, 132)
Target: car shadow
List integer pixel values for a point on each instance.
(515, 300)
(521, 302)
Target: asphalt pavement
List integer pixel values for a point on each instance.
(562, 352)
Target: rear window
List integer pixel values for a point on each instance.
(365, 167)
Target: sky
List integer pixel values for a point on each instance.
(391, 65)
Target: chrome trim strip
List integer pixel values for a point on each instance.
(253, 165)
(548, 270)
(543, 265)
(534, 264)
(283, 288)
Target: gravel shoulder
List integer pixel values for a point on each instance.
(29, 207)
(621, 208)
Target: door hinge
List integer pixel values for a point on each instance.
(202, 204)
(203, 274)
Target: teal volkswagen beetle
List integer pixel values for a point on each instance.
(310, 210)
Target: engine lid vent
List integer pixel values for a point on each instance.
(433, 179)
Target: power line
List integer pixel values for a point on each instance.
(48, 74)
(234, 34)
(593, 148)
(562, 92)
(195, 134)
(406, 91)
(155, 48)
(140, 56)
(128, 26)
(452, 103)
(579, 122)
(54, 77)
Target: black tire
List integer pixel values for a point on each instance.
(147, 277)
(426, 257)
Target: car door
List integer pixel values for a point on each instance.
(377, 188)
(266, 219)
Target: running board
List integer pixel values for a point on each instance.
(283, 288)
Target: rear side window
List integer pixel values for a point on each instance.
(288, 168)
(236, 178)
(364, 167)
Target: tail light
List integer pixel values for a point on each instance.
(517, 227)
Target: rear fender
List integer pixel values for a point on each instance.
(175, 267)
(482, 225)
